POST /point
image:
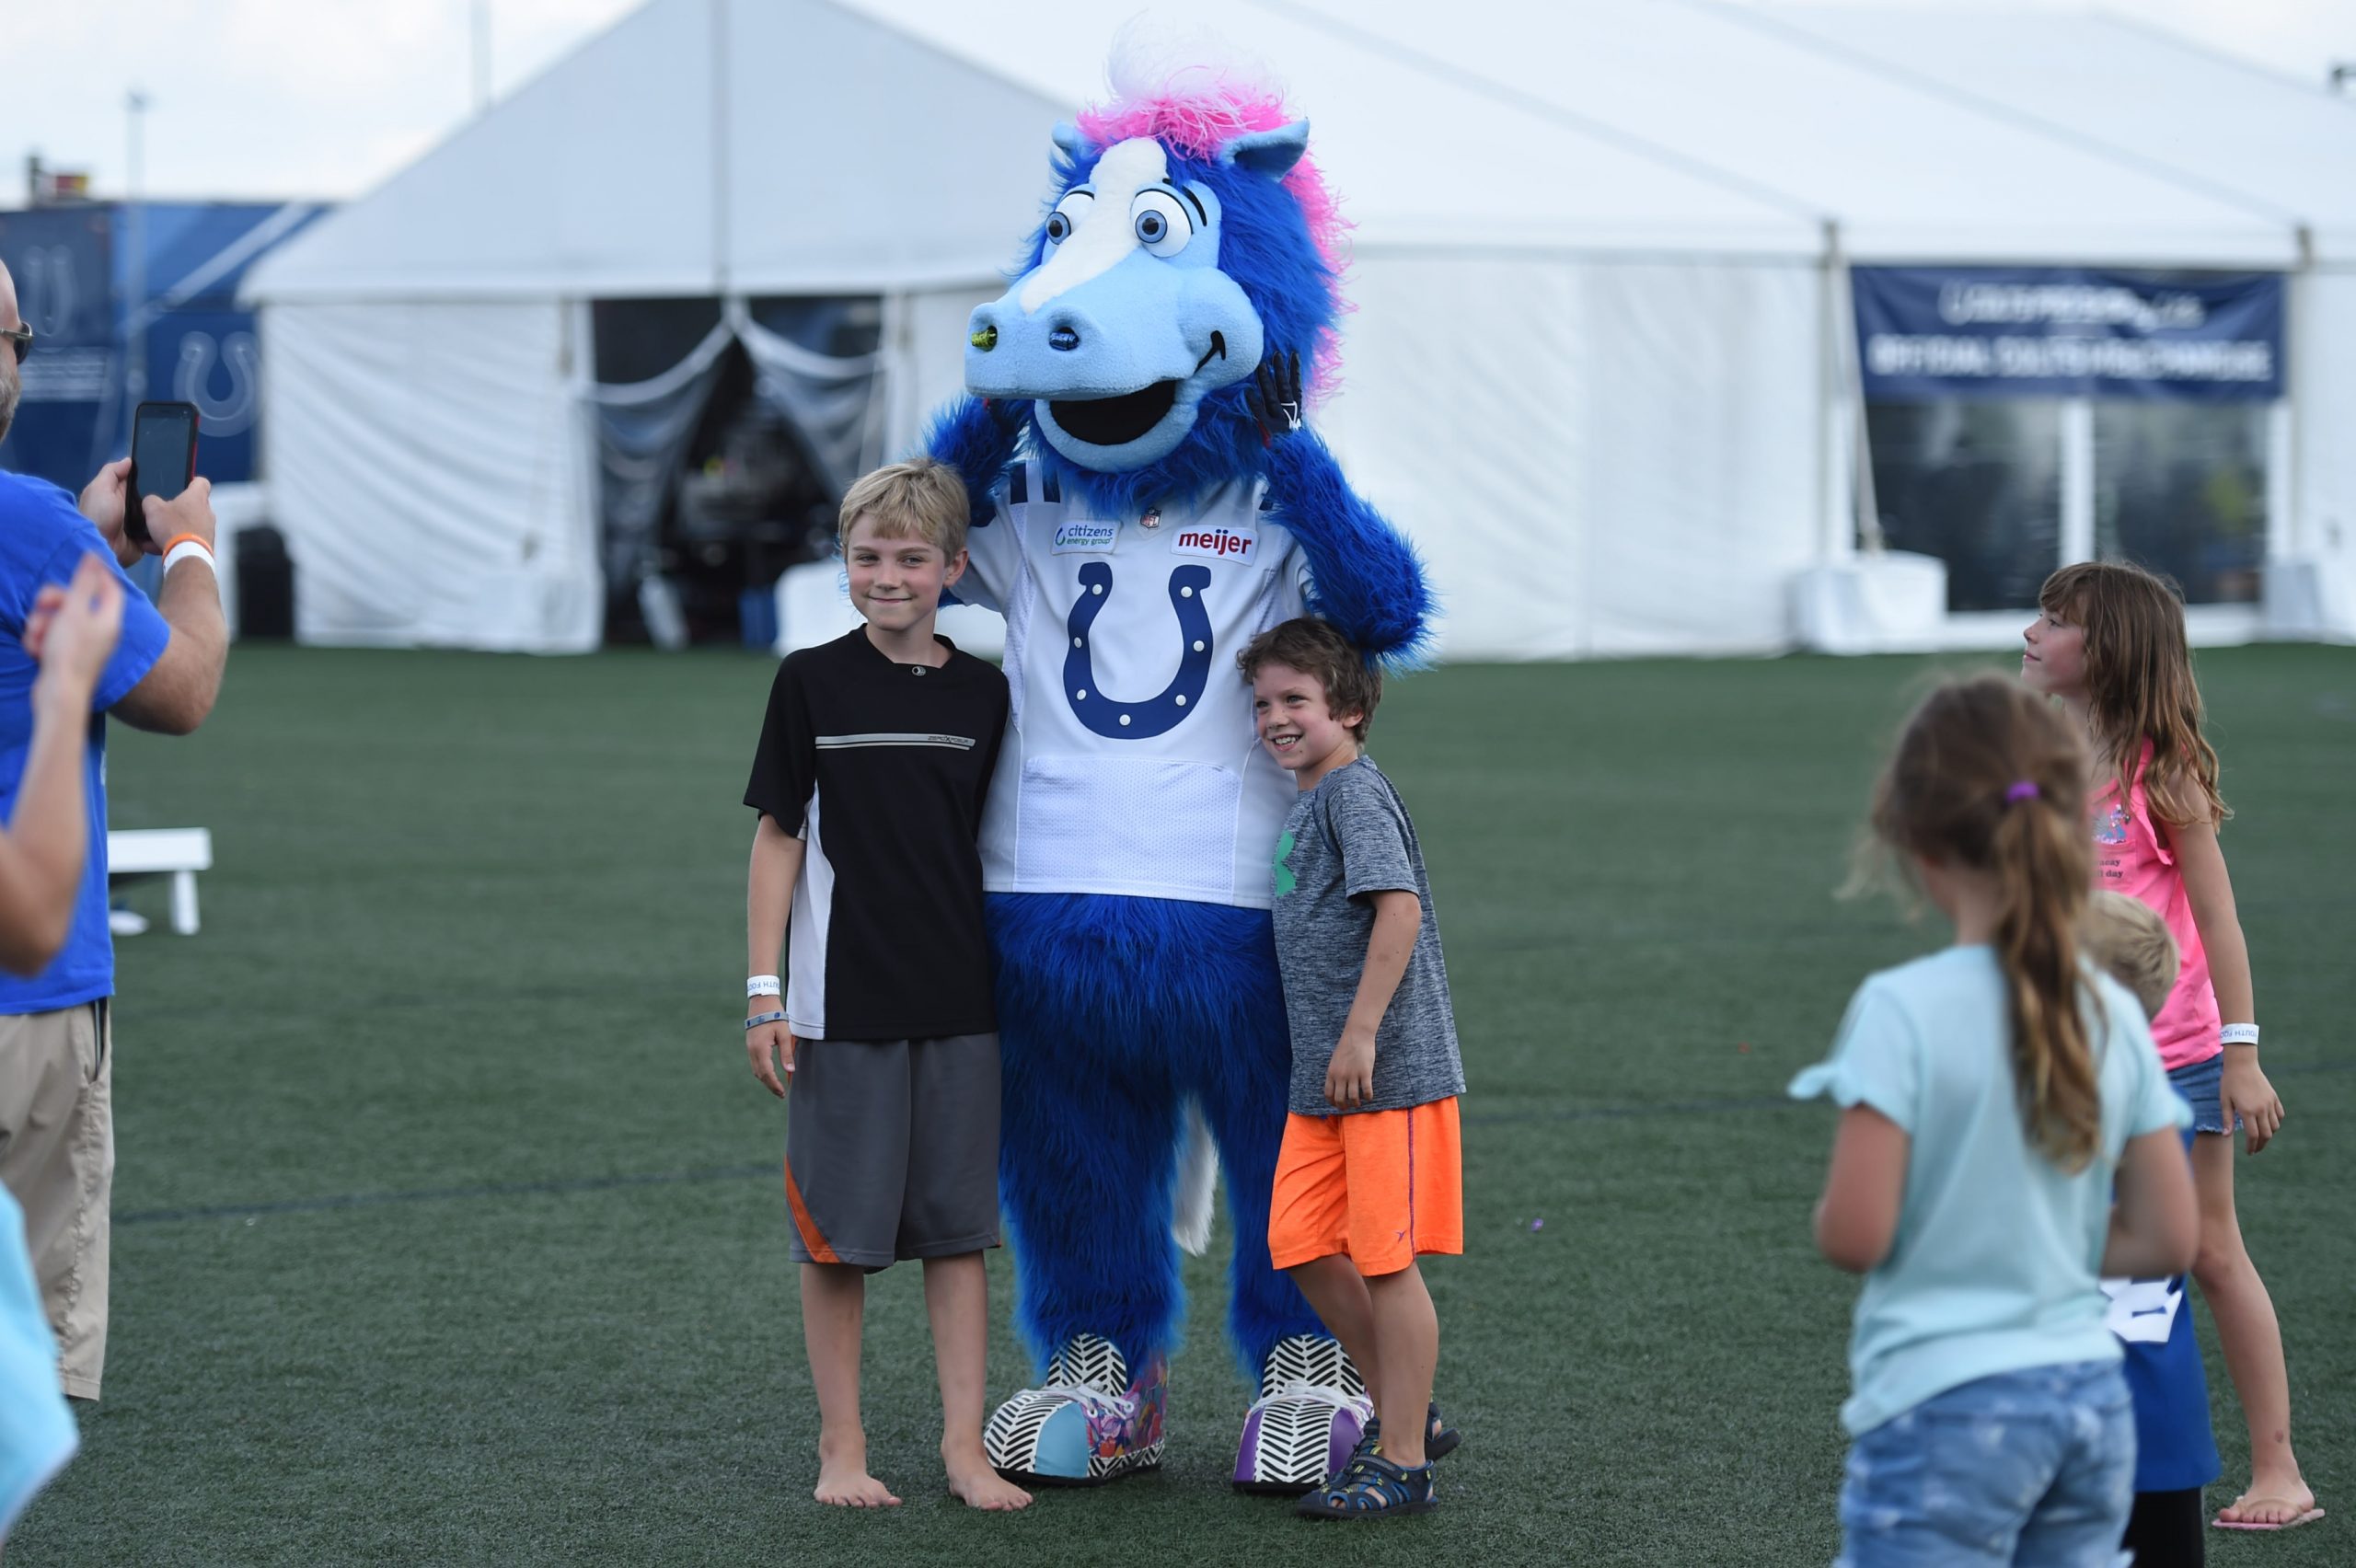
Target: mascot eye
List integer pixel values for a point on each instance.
(1067, 215)
(1161, 222)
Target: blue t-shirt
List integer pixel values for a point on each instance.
(42, 539)
(1993, 1265)
(2176, 1448)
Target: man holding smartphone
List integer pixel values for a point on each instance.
(56, 1049)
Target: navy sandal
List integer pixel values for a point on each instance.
(1371, 1487)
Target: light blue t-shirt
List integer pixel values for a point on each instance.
(1994, 1262)
(36, 1431)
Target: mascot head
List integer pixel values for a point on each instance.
(1189, 236)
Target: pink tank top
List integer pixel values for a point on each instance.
(2132, 857)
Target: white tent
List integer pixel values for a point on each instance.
(1598, 270)
(2282, 149)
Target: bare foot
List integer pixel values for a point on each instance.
(843, 1480)
(2270, 1502)
(971, 1478)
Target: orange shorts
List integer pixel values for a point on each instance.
(1377, 1187)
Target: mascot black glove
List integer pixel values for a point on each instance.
(1273, 397)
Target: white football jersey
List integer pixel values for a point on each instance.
(1131, 765)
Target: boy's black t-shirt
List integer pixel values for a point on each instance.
(882, 768)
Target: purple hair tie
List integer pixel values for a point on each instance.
(2025, 789)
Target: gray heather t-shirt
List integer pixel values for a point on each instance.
(1344, 841)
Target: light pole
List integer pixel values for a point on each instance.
(135, 348)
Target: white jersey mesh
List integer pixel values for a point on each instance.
(1130, 763)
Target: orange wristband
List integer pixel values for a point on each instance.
(177, 540)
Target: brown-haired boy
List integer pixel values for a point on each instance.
(1368, 1175)
(874, 758)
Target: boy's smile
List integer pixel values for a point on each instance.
(1304, 734)
(895, 584)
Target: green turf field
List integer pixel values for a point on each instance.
(448, 1227)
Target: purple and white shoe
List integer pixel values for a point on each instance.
(1086, 1424)
(1311, 1409)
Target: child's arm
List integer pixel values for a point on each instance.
(2155, 1219)
(72, 630)
(2211, 889)
(768, 898)
(1856, 1219)
(1398, 921)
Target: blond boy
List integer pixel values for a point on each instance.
(874, 759)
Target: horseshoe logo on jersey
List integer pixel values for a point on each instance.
(1110, 716)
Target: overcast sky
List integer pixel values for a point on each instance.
(327, 97)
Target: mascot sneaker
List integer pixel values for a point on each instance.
(1088, 1425)
(1311, 1412)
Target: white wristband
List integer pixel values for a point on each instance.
(763, 986)
(186, 548)
(2237, 1034)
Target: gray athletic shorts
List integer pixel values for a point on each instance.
(891, 1149)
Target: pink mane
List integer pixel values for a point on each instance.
(1168, 88)
(1199, 126)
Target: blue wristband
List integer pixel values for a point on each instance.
(759, 1019)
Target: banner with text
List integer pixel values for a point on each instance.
(1928, 333)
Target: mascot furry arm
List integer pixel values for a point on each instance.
(1137, 524)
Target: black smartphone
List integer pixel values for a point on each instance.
(163, 460)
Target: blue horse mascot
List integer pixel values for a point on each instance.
(1146, 500)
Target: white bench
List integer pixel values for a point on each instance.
(180, 852)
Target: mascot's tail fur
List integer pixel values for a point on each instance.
(1189, 1207)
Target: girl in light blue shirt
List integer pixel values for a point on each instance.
(1991, 1093)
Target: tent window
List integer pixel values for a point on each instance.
(1993, 487)
(638, 339)
(728, 430)
(2182, 488)
(1978, 485)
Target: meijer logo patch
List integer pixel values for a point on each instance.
(1086, 538)
(1216, 544)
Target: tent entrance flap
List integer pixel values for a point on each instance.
(727, 429)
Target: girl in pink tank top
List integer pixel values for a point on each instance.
(2109, 643)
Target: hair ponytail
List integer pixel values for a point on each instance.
(2043, 887)
(1987, 775)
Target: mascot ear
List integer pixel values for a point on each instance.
(1070, 141)
(1269, 153)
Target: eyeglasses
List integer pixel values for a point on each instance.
(23, 338)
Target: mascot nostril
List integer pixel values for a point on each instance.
(1063, 340)
(1143, 508)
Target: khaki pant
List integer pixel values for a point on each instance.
(57, 1157)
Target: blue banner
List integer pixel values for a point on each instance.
(75, 281)
(1930, 333)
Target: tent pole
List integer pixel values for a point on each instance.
(719, 134)
(1859, 523)
(1828, 463)
(2287, 493)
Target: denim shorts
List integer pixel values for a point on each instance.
(2198, 1085)
(2034, 1467)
